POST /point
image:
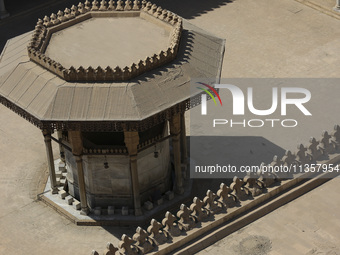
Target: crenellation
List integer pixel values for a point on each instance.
(119, 6)
(54, 19)
(88, 5)
(325, 145)
(110, 249)
(90, 73)
(68, 15)
(226, 198)
(94, 5)
(336, 136)
(169, 17)
(251, 184)
(152, 9)
(141, 238)
(136, 5)
(156, 232)
(47, 22)
(107, 74)
(186, 221)
(239, 190)
(127, 246)
(158, 12)
(313, 149)
(170, 224)
(198, 211)
(81, 8)
(301, 157)
(127, 6)
(74, 11)
(103, 6)
(147, 7)
(111, 6)
(266, 178)
(164, 15)
(210, 204)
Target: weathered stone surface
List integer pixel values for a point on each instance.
(170, 226)
(169, 195)
(148, 205)
(186, 221)
(142, 240)
(125, 210)
(157, 235)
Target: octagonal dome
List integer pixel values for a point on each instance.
(48, 94)
(106, 43)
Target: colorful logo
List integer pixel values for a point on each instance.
(204, 97)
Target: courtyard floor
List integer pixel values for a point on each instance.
(264, 38)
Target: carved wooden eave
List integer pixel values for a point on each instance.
(99, 126)
(47, 100)
(69, 17)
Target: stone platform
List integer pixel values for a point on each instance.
(69, 207)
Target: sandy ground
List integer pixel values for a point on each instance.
(264, 38)
(308, 225)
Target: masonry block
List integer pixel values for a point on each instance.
(98, 211)
(58, 174)
(76, 205)
(148, 205)
(62, 182)
(169, 195)
(62, 194)
(125, 210)
(111, 210)
(62, 167)
(69, 200)
(159, 201)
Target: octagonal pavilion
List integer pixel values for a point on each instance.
(112, 79)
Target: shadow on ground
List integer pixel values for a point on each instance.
(228, 150)
(24, 14)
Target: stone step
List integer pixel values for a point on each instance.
(125, 210)
(169, 195)
(98, 211)
(64, 175)
(69, 199)
(111, 210)
(76, 204)
(148, 205)
(62, 182)
(62, 167)
(63, 194)
(58, 174)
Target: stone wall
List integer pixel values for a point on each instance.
(112, 186)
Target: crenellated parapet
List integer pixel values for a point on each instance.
(174, 230)
(76, 14)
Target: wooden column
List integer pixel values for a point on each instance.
(50, 161)
(131, 139)
(61, 148)
(337, 6)
(175, 131)
(3, 11)
(184, 153)
(77, 150)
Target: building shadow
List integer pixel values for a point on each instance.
(189, 9)
(236, 151)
